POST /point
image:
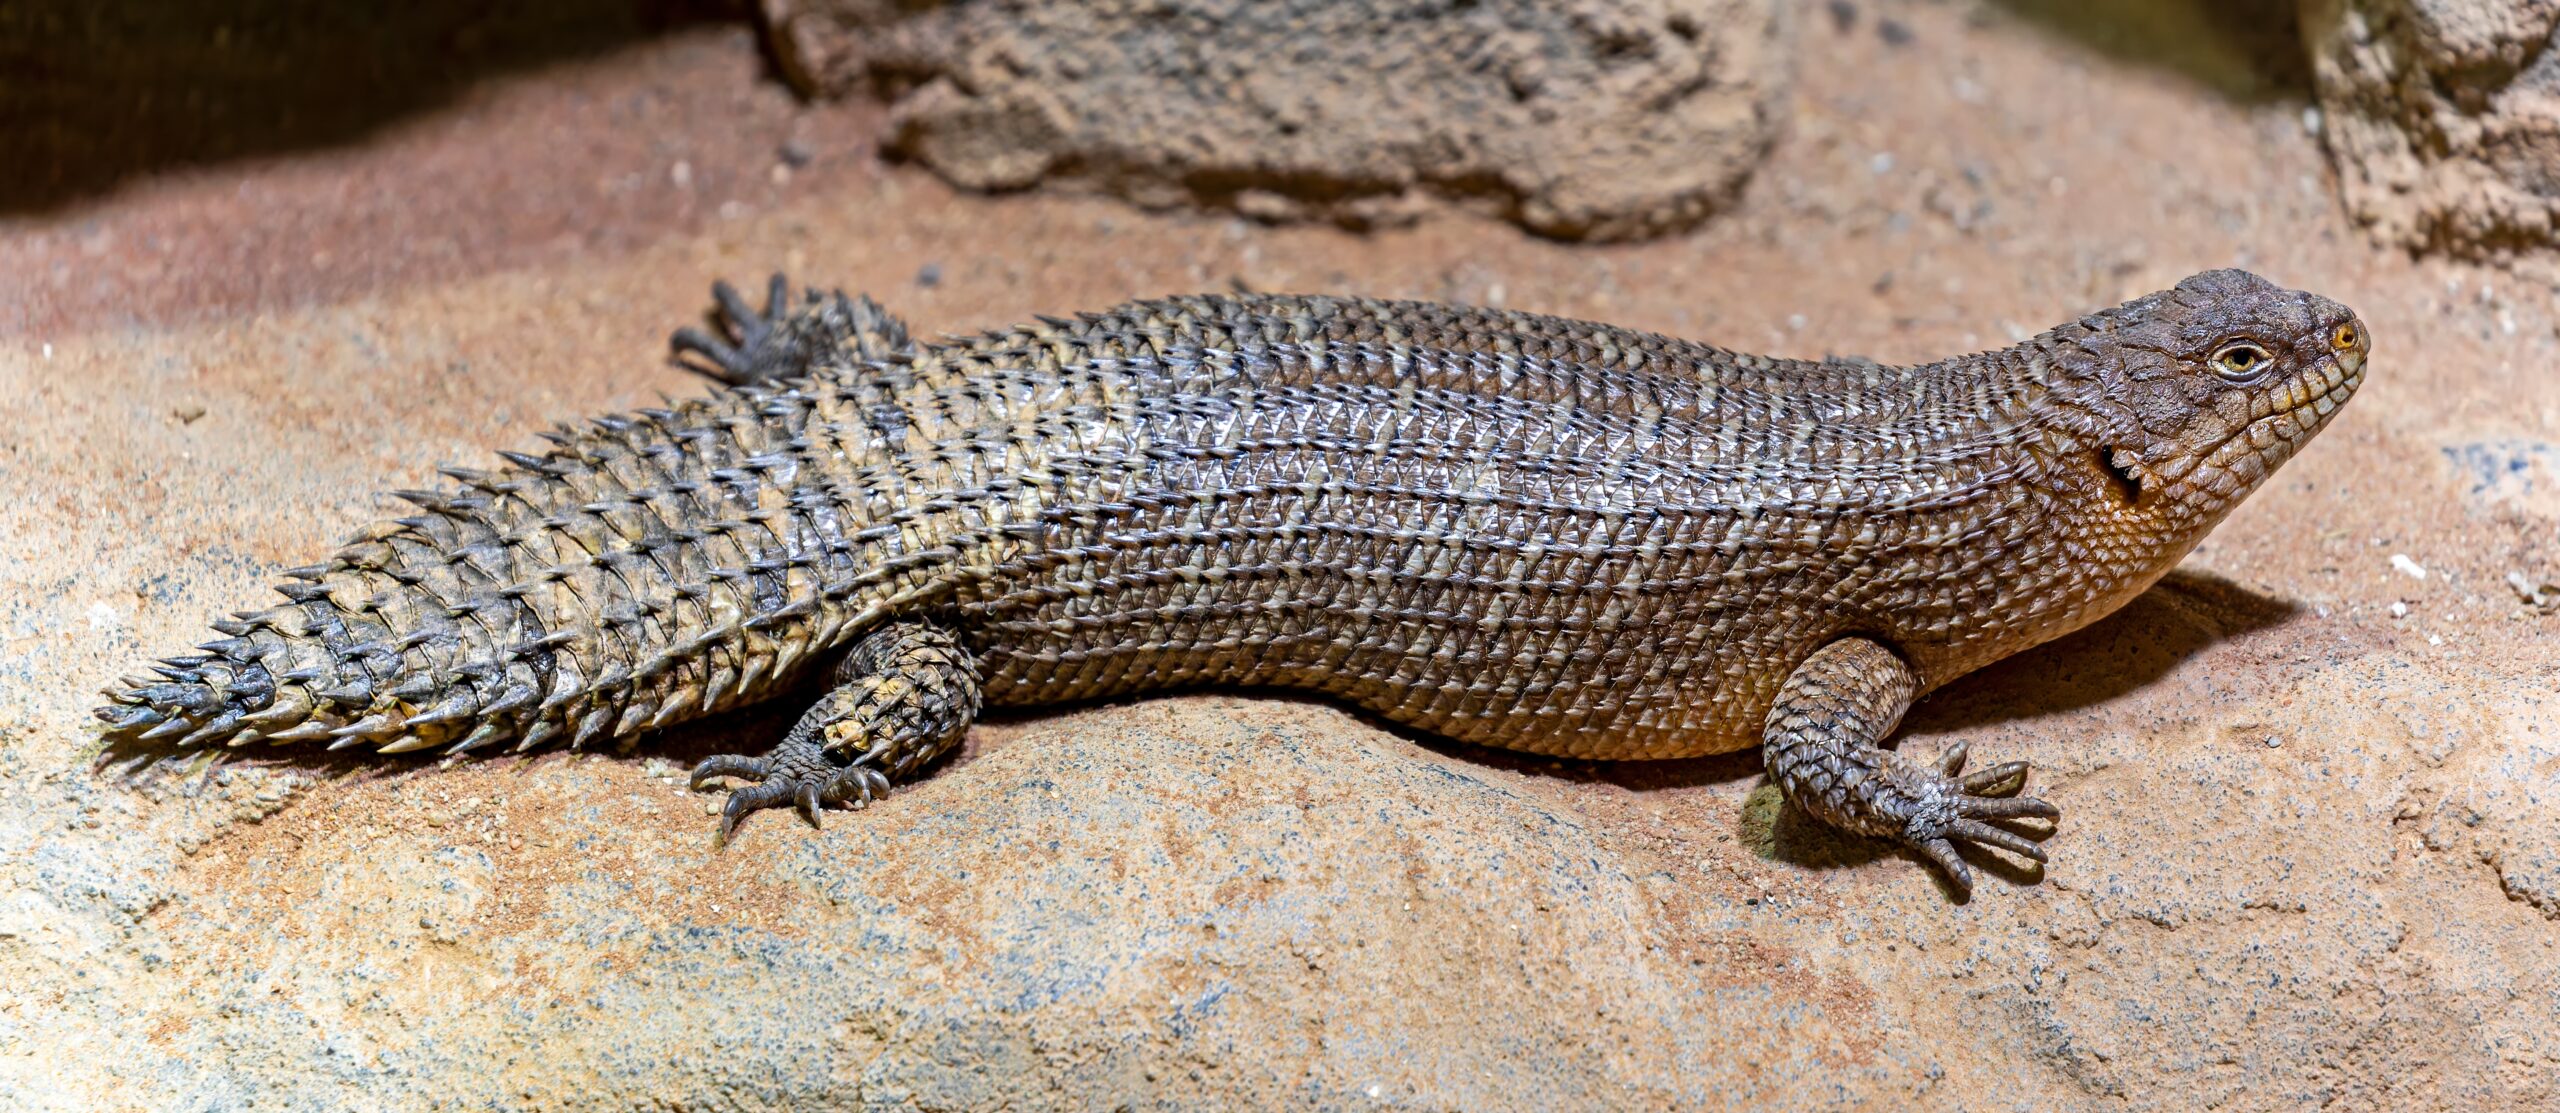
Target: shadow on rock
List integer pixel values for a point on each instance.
(2249, 51)
(102, 93)
(2181, 616)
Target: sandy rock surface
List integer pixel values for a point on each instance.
(1583, 119)
(2311, 847)
(2443, 118)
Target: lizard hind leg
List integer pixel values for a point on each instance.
(1821, 748)
(786, 340)
(903, 696)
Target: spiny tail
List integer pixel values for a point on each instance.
(650, 569)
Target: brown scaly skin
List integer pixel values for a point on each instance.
(1509, 529)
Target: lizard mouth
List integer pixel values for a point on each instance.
(2268, 441)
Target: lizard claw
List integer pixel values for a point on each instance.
(740, 353)
(745, 800)
(1963, 802)
(807, 801)
(727, 765)
(803, 776)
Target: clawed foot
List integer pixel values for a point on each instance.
(1954, 806)
(787, 338)
(801, 775)
(751, 350)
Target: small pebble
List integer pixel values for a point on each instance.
(795, 154)
(1894, 32)
(1844, 16)
(2399, 609)
(929, 275)
(2407, 566)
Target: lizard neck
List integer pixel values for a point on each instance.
(2092, 503)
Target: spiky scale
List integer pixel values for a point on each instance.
(418, 686)
(542, 732)
(592, 727)
(220, 727)
(515, 697)
(455, 708)
(377, 725)
(486, 733)
(288, 709)
(354, 693)
(635, 718)
(405, 743)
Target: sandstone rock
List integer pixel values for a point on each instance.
(2444, 120)
(2310, 855)
(1587, 119)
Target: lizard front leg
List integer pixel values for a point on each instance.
(903, 696)
(1821, 748)
(783, 341)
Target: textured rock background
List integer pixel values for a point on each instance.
(2444, 117)
(2311, 851)
(1582, 119)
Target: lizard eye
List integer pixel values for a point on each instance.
(2242, 361)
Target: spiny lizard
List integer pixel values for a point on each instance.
(1509, 529)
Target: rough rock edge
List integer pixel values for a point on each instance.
(2437, 115)
(997, 96)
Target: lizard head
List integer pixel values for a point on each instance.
(2187, 400)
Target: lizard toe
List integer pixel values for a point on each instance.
(749, 345)
(1955, 809)
(806, 798)
(1942, 853)
(800, 774)
(752, 798)
(1974, 830)
(2006, 807)
(860, 784)
(2007, 779)
(739, 766)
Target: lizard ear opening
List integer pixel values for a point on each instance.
(2125, 470)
